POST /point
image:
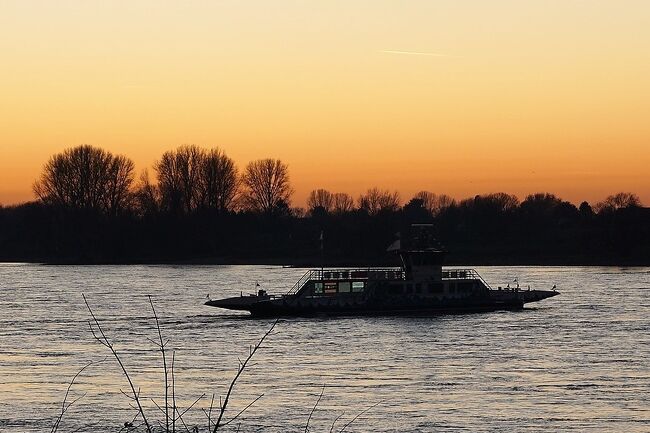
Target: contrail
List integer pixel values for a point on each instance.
(414, 53)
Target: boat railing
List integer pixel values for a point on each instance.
(463, 274)
(301, 282)
(348, 274)
(377, 274)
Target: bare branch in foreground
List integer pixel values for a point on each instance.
(313, 409)
(335, 420)
(240, 370)
(64, 407)
(208, 414)
(161, 345)
(358, 415)
(243, 410)
(173, 396)
(180, 414)
(103, 339)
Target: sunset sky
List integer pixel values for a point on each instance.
(451, 96)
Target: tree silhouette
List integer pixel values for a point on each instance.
(147, 196)
(191, 178)
(178, 173)
(375, 201)
(585, 210)
(320, 198)
(218, 181)
(618, 201)
(266, 186)
(343, 203)
(540, 204)
(434, 203)
(86, 178)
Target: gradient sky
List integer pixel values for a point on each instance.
(451, 96)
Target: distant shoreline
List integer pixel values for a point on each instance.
(290, 262)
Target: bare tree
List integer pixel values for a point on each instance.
(618, 201)
(88, 178)
(266, 185)
(502, 201)
(320, 198)
(146, 196)
(218, 181)
(298, 212)
(434, 203)
(343, 203)
(98, 332)
(178, 173)
(119, 181)
(541, 203)
(375, 201)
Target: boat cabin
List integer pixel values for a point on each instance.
(421, 275)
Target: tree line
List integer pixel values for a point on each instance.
(198, 206)
(188, 179)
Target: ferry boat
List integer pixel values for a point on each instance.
(419, 286)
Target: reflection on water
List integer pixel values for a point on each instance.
(576, 362)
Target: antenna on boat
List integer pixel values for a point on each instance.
(322, 255)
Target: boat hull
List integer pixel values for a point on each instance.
(292, 305)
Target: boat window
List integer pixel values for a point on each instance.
(418, 288)
(409, 288)
(395, 289)
(465, 287)
(344, 287)
(330, 287)
(358, 286)
(318, 287)
(435, 287)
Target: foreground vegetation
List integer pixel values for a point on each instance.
(166, 416)
(199, 208)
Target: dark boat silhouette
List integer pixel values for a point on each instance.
(419, 286)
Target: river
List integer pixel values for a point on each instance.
(576, 362)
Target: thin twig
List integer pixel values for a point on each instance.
(240, 370)
(210, 414)
(64, 407)
(157, 406)
(336, 419)
(243, 410)
(190, 407)
(173, 395)
(313, 409)
(182, 420)
(358, 415)
(164, 359)
(106, 342)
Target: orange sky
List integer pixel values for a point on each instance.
(456, 97)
